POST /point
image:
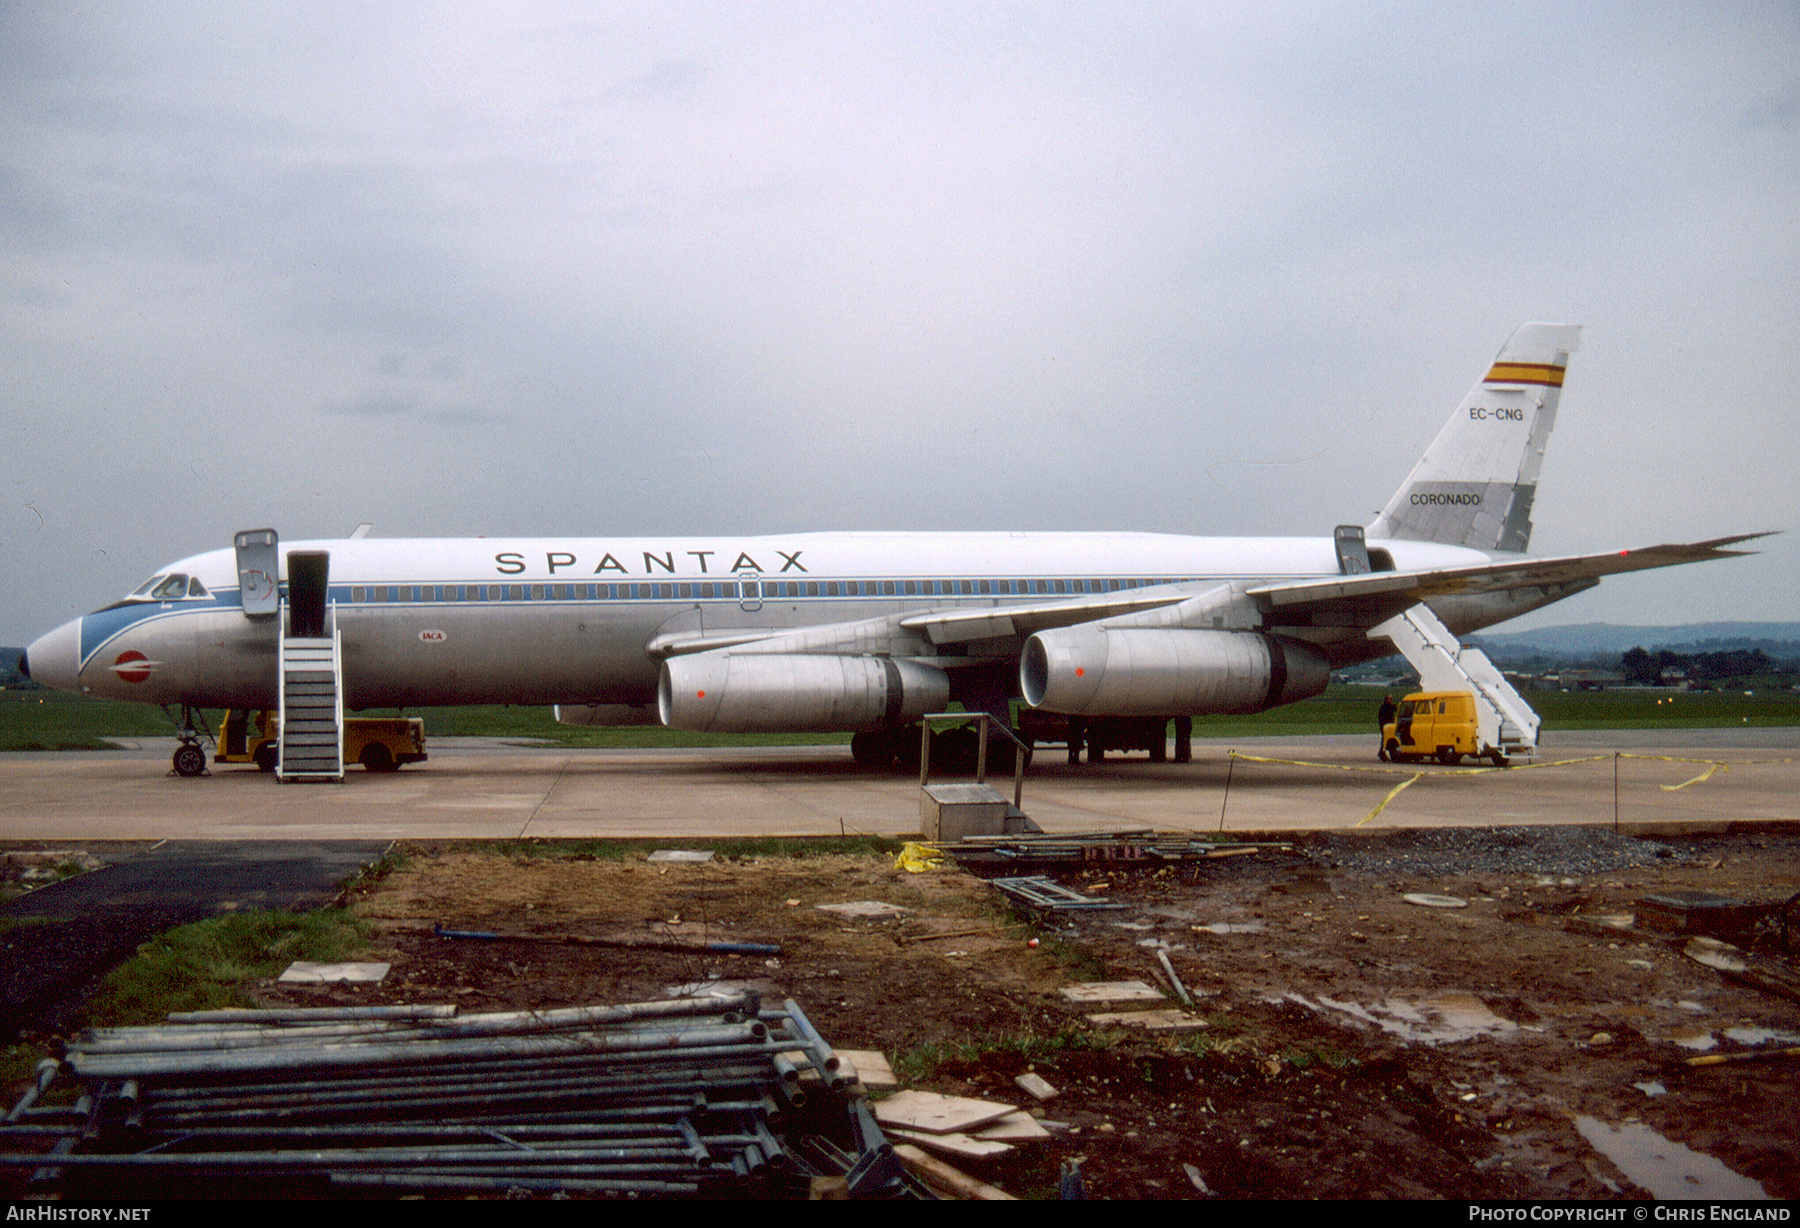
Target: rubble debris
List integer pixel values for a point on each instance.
(1742, 967)
(1040, 892)
(1072, 850)
(1700, 912)
(1181, 993)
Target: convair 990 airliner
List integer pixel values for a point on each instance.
(866, 632)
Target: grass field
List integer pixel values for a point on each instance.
(52, 720)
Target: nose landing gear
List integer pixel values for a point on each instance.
(190, 755)
(190, 759)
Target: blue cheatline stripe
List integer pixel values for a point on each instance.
(99, 628)
(728, 590)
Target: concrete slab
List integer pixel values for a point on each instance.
(1666, 779)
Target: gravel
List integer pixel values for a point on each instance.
(1568, 851)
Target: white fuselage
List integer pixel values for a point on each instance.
(567, 621)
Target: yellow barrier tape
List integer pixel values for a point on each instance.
(1389, 770)
(1392, 794)
(1713, 767)
(1625, 754)
(1706, 775)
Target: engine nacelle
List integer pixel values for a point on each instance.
(795, 693)
(1154, 671)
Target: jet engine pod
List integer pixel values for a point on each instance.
(1151, 671)
(754, 692)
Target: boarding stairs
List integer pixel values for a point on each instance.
(1504, 721)
(312, 707)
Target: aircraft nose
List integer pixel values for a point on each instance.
(55, 659)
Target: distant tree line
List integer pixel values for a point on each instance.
(1643, 668)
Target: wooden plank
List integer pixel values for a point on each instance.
(937, 1114)
(936, 1173)
(962, 1146)
(872, 1068)
(1019, 1127)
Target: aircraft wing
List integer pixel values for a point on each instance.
(1402, 589)
(999, 622)
(918, 634)
(1364, 599)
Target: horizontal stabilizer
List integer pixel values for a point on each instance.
(1410, 587)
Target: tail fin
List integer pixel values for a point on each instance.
(1475, 484)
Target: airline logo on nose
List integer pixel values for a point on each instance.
(133, 666)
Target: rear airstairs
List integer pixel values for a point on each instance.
(1505, 722)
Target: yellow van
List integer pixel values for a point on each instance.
(1437, 725)
(379, 743)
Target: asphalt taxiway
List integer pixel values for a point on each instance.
(1669, 780)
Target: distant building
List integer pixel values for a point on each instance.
(1584, 680)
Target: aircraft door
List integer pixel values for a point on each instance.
(1352, 550)
(309, 572)
(257, 567)
(751, 590)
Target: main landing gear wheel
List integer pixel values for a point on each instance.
(872, 750)
(377, 758)
(267, 757)
(955, 750)
(189, 760)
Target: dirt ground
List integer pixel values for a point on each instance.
(1356, 1045)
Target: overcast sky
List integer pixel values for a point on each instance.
(587, 269)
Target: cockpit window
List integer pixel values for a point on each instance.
(143, 590)
(196, 589)
(175, 586)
